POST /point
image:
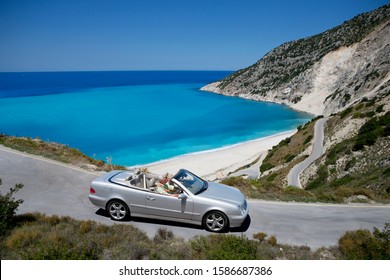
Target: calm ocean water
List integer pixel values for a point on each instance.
(135, 117)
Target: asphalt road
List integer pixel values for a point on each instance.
(54, 188)
(318, 139)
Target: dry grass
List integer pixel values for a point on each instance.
(55, 151)
(287, 154)
(43, 237)
(37, 236)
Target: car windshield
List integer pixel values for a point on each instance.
(192, 182)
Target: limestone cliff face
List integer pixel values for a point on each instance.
(322, 74)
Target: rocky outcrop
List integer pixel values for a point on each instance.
(322, 74)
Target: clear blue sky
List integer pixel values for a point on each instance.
(67, 35)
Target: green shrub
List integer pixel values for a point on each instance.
(367, 139)
(379, 109)
(366, 192)
(347, 97)
(344, 192)
(328, 197)
(372, 130)
(386, 131)
(237, 182)
(371, 125)
(370, 102)
(294, 192)
(308, 139)
(363, 245)
(369, 114)
(8, 206)
(260, 236)
(284, 142)
(163, 234)
(320, 180)
(386, 172)
(359, 107)
(272, 240)
(345, 113)
(341, 181)
(272, 177)
(265, 166)
(224, 247)
(351, 163)
(336, 152)
(289, 157)
(248, 187)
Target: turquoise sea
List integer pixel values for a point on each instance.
(135, 117)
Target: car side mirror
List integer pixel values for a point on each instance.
(182, 196)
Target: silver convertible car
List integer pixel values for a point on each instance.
(134, 193)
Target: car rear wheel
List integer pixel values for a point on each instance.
(215, 221)
(118, 210)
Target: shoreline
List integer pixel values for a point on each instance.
(218, 163)
(228, 146)
(304, 107)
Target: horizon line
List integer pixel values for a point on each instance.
(149, 70)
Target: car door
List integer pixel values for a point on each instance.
(169, 207)
(134, 198)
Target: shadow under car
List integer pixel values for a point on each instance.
(243, 228)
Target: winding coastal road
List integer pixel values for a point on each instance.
(55, 188)
(318, 139)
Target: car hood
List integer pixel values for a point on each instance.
(223, 192)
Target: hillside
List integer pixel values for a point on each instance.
(355, 164)
(321, 74)
(354, 167)
(342, 73)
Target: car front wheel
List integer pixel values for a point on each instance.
(118, 210)
(215, 221)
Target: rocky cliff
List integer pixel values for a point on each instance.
(322, 74)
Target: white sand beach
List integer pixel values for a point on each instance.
(218, 163)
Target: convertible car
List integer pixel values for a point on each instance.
(193, 200)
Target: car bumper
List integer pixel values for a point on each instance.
(236, 221)
(97, 201)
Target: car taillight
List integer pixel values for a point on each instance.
(91, 190)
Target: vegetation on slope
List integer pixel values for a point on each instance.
(55, 151)
(354, 169)
(8, 206)
(357, 167)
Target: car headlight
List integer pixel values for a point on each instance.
(242, 208)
